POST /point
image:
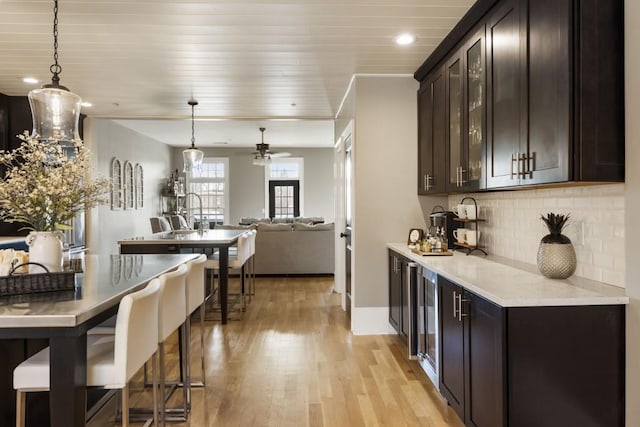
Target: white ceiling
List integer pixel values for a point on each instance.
(241, 59)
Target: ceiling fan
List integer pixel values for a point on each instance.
(262, 156)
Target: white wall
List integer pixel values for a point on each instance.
(385, 204)
(247, 181)
(632, 201)
(513, 227)
(106, 141)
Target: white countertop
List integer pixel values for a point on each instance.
(513, 284)
(104, 281)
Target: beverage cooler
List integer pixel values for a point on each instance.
(427, 324)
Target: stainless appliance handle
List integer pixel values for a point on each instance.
(410, 338)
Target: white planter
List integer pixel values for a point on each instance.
(45, 247)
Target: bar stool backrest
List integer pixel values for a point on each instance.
(136, 331)
(195, 283)
(173, 305)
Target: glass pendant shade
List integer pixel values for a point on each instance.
(192, 158)
(55, 113)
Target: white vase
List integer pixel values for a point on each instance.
(45, 247)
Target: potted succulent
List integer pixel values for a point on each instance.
(556, 256)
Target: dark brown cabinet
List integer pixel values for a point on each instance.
(471, 342)
(530, 366)
(506, 97)
(395, 291)
(550, 91)
(555, 92)
(4, 121)
(466, 115)
(432, 130)
(402, 297)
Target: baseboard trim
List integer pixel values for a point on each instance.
(371, 321)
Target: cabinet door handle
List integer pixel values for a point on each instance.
(460, 313)
(515, 158)
(528, 164)
(395, 264)
(455, 306)
(462, 172)
(427, 182)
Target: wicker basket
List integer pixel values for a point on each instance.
(19, 284)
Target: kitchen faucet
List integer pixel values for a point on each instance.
(201, 223)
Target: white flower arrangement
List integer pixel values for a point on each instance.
(44, 188)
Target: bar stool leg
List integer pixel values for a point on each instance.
(20, 408)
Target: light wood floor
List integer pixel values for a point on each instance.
(293, 362)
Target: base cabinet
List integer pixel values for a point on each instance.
(471, 368)
(531, 366)
(403, 298)
(395, 291)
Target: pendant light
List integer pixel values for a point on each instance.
(192, 157)
(55, 110)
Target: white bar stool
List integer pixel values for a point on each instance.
(111, 360)
(195, 297)
(172, 311)
(235, 262)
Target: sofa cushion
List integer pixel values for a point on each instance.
(235, 227)
(309, 219)
(274, 227)
(250, 220)
(282, 221)
(300, 226)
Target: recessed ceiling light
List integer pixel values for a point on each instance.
(86, 104)
(31, 80)
(405, 39)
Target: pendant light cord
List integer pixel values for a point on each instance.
(55, 68)
(193, 103)
(193, 138)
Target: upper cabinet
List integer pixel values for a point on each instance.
(506, 95)
(432, 127)
(534, 94)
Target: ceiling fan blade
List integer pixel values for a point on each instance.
(283, 154)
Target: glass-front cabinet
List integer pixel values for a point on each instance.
(466, 116)
(475, 109)
(454, 131)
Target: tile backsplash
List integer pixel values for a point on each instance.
(513, 227)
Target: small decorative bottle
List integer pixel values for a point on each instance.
(426, 243)
(438, 241)
(443, 238)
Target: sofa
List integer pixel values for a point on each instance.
(296, 248)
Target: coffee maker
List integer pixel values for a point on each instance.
(440, 218)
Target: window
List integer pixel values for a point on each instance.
(211, 183)
(284, 187)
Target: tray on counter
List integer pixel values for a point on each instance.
(419, 252)
(20, 284)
